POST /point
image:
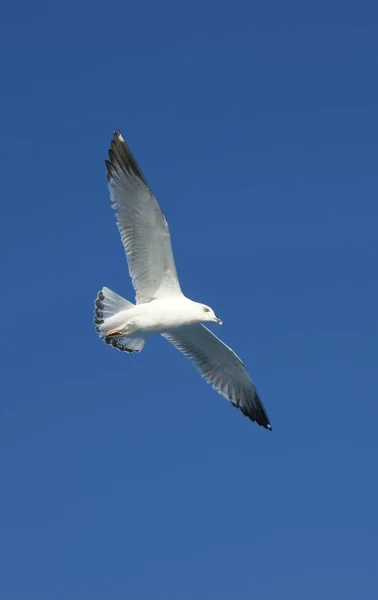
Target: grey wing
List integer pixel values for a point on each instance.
(219, 365)
(142, 225)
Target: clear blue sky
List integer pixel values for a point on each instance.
(127, 477)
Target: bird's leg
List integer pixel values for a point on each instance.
(115, 333)
(127, 329)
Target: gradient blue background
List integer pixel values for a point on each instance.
(127, 477)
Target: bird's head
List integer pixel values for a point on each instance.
(207, 314)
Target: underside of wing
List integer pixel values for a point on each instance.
(219, 365)
(142, 225)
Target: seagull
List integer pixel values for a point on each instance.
(161, 307)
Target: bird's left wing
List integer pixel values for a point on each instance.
(142, 225)
(219, 365)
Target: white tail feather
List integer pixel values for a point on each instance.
(112, 302)
(107, 305)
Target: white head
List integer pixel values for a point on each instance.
(205, 313)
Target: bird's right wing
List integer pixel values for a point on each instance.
(142, 225)
(219, 365)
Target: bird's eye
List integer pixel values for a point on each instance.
(206, 309)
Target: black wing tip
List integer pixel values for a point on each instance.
(109, 169)
(121, 159)
(258, 416)
(261, 421)
(262, 417)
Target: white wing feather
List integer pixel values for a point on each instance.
(142, 225)
(219, 365)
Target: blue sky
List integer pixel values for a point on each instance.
(127, 476)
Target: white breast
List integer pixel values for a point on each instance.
(164, 315)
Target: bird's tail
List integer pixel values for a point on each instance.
(109, 319)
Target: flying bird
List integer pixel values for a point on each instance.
(160, 306)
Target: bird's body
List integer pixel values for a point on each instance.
(157, 316)
(161, 307)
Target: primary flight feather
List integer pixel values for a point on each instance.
(161, 307)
